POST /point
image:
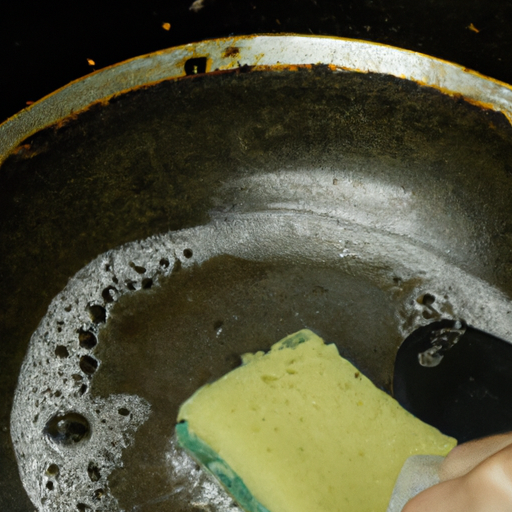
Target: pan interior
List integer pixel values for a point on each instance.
(275, 275)
(179, 311)
(339, 202)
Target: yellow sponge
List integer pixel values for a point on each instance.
(299, 429)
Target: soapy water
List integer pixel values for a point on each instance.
(68, 442)
(198, 486)
(442, 340)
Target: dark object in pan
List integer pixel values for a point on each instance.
(465, 388)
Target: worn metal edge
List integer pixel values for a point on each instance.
(261, 52)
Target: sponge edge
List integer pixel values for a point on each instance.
(218, 467)
(300, 429)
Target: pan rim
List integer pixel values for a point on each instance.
(268, 53)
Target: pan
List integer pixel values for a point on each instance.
(163, 216)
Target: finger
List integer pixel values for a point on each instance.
(487, 487)
(443, 497)
(465, 457)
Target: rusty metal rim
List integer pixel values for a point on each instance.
(260, 52)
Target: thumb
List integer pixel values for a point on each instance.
(465, 457)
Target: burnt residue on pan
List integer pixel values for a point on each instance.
(384, 154)
(217, 292)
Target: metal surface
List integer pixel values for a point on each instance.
(301, 189)
(256, 51)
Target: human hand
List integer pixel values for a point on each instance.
(475, 477)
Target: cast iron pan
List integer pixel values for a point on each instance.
(303, 196)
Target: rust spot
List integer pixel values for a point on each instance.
(71, 117)
(281, 67)
(231, 51)
(24, 148)
(482, 104)
(462, 98)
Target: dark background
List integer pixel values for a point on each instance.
(44, 46)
